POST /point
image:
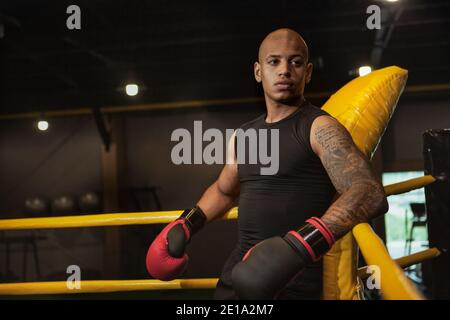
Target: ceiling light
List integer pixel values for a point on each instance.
(131, 89)
(364, 70)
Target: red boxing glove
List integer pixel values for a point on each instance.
(166, 257)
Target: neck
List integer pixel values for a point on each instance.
(277, 111)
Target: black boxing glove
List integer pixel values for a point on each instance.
(271, 264)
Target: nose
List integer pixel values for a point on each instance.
(284, 69)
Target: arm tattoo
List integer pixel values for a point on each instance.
(361, 194)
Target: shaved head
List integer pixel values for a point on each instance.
(282, 36)
(283, 67)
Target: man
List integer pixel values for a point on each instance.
(281, 237)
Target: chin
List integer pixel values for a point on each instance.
(287, 99)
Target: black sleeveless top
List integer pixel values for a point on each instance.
(271, 205)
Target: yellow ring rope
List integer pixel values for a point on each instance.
(120, 219)
(394, 283)
(88, 286)
(91, 286)
(407, 261)
(98, 220)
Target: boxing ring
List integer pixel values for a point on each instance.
(394, 284)
(364, 106)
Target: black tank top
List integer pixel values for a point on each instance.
(271, 205)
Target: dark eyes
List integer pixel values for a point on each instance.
(274, 62)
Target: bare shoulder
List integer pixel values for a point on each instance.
(327, 134)
(343, 161)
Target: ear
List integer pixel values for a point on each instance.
(257, 71)
(309, 70)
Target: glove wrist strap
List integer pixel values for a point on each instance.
(195, 219)
(312, 240)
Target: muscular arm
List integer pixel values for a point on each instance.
(221, 195)
(361, 195)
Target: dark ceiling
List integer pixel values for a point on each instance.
(184, 50)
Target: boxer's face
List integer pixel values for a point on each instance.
(283, 68)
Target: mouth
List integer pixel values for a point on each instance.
(283, 85)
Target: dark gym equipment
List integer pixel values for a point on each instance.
(90, 202)
(64, 205)
(436, 150)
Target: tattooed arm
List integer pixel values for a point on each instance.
(361, 195)
(270, 265)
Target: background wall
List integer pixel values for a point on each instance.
(66, 160)
(402, 143)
